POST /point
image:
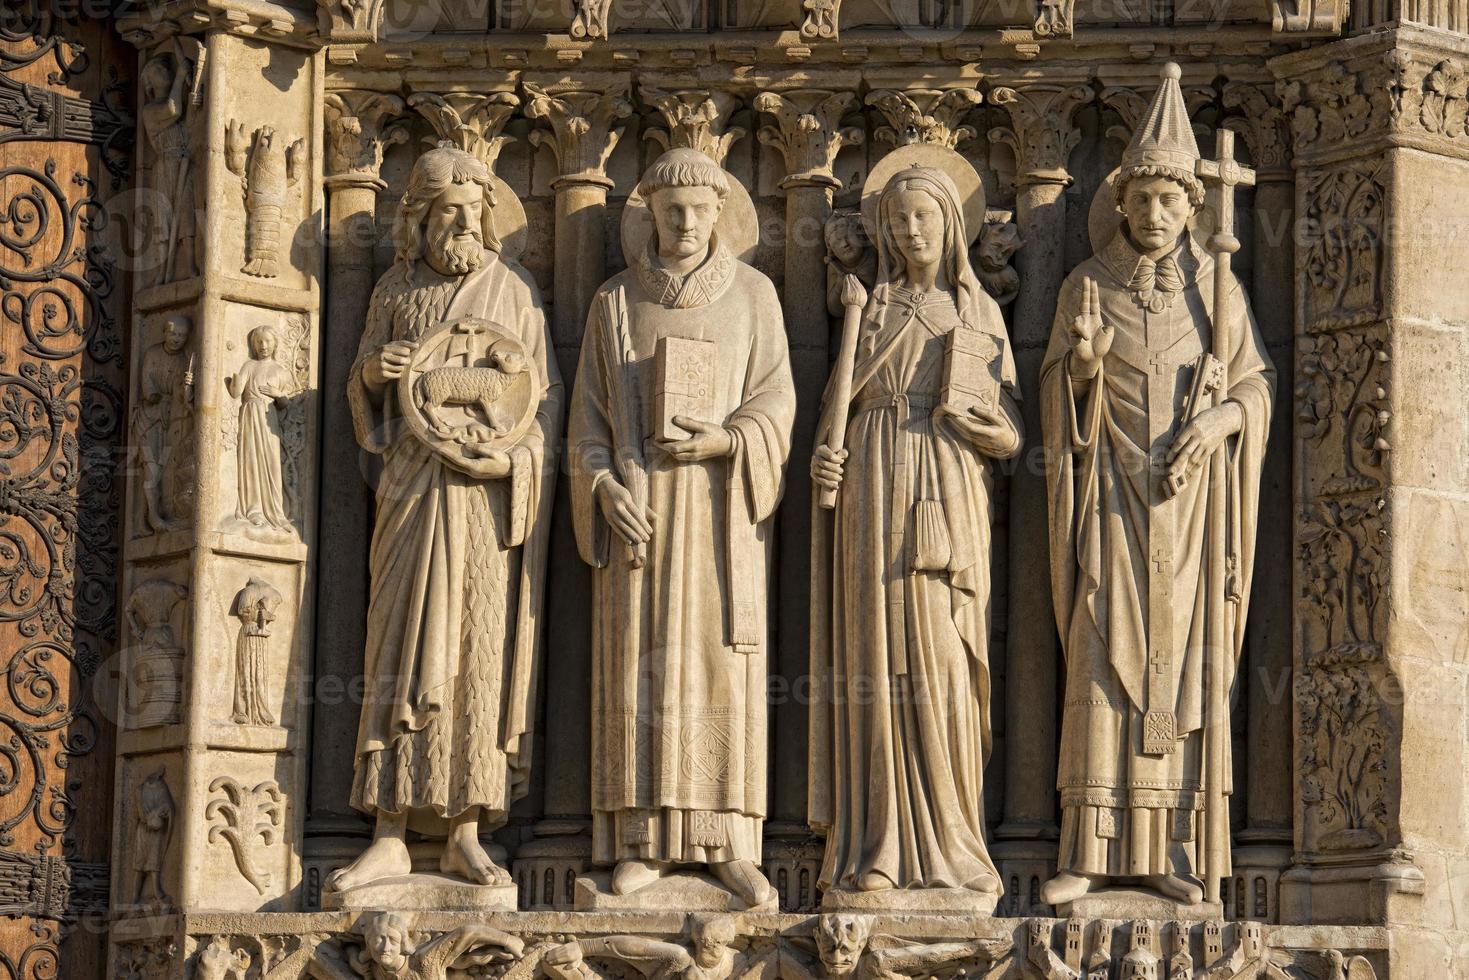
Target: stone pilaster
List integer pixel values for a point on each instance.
(1262, 845)
(1381, 623)
(214, 708)
(807, 131)
(1042, 135)
(581, 127)
(359, 126)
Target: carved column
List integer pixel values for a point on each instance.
(1382, 523)
(807, 130)
(1042, 136)
(359, 125)
(581, 129)
(214, 707)
(1262, 847)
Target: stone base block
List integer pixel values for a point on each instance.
(938, 901)
(1133, 903)
(423, 892)
(680, 891)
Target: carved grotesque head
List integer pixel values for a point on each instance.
(711, 936)
(841, 940)
(685, 191)
(1156, 202)
(386, 936)
(445, 215)
(176, 333)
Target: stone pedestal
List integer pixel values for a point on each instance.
(679, 891)
(905, 901)
(1131, 903)
(423, 892)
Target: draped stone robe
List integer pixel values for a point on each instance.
(680, 647)
(1139, 588)
(900, 727)
(453, 619)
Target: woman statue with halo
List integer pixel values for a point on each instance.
(923, 398)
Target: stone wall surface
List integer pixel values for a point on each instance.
(795, 490)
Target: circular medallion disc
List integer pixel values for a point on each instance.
(470, 388)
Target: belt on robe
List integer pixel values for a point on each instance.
(902, 491)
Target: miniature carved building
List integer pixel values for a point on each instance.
(225, 680)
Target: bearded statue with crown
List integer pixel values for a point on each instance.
(1156, 397)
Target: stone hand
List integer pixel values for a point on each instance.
(1090, 337)
(496, 462)
(827, 466)
(633, 522)
(991, 432)
(1200, 438)
(709, 441)
(388, 363)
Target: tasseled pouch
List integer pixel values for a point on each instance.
(931, 551)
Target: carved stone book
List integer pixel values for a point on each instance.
(971, 371)
(683, 384)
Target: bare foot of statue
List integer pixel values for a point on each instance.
(1066, 887)
(631, 875)
(386, 857)
(465, 857)
(1177, 887)
(745, 880)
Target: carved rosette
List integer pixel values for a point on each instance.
(472, 121)
(931, 116)
(1041, 132)
(696, 119)
(808, 132)
(359, 127)
(581, 126)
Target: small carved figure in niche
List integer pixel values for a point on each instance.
(713, 955)
(679, 543)
(171, 83)
(389, 952)
(848, 949)
(1156, 407)
(255, 607)
(153, 812)
(163, 424)
(458, 551)
(155, 676)
(218, 961)
(848, 253)
(266, 172)
(264, 387)
(901, 567)
(999, 240)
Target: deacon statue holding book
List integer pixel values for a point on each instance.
(922, 401)
(680, 428)
(1156, 396)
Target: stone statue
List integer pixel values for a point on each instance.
(458, 551)
(1153, 475)
(218, 961)
(152, 836)
(390, 954)
(901, 568)
(713, 957)
(171, 83)
(679, 539)
(263, 385)
(163, 425)
(848, 253)
(255, 607)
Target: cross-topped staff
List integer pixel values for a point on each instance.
(1223, 175)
